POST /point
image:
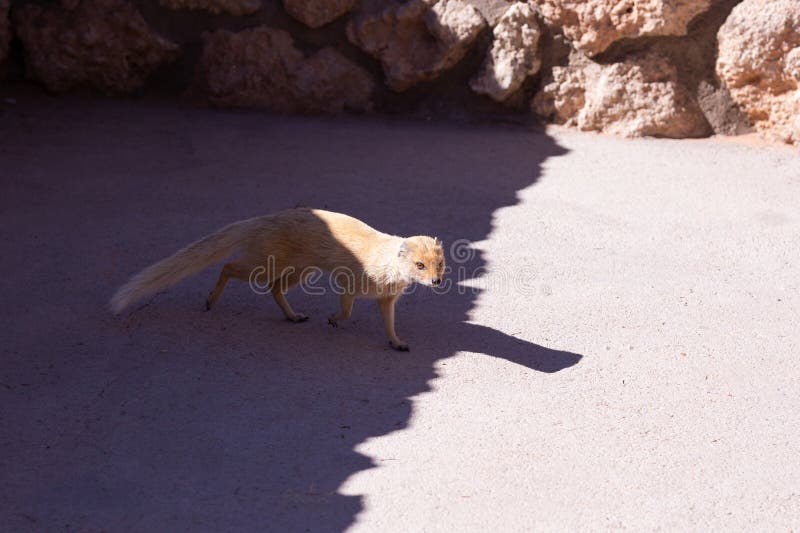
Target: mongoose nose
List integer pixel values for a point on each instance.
(436, 281)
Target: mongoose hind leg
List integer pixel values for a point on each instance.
(234, 270)
(279, 293)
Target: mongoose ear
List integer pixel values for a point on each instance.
(403, 250)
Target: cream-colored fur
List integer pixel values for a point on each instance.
(278, 250)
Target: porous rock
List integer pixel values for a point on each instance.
(316, 13)
(102, 44)
(514, 54)
(234, 7)
(261, 67)
(639, 96)
(759, 62)
(419, 40)
(593, 25)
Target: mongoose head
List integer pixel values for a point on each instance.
(423, 259)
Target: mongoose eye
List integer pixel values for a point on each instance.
(439, 266)
(420, 266)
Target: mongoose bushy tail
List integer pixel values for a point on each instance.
(292, 241)
(185, 262)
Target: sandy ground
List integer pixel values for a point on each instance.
(621, 350)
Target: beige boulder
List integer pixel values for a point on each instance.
(637, 97)
(759, 62)
(234, 7)
(316, 13)
(261, 67)
(329, 82)
(491, 10)
(593, 25)
(419, 40)
(102, 44)
(514, 54)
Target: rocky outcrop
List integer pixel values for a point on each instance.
(593, 25)
(637, 97)
(316, 13)
(262, 67)
(620, 66)
(491, 10)
(5, 30)
(419, 40)
(759, 62)
(234, 7)
(102, 44)
(514, 54)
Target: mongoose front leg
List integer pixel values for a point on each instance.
(387, 312)
(346, 309)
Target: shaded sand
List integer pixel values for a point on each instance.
(622, 351)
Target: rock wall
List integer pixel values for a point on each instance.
(635, 97)
(102, 44)
(5, 30)
(672, 68)
(262, 67)
(759, 61)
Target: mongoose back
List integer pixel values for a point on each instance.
(280, 250)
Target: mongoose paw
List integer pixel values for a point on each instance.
(333, 323)
(298, 317)
(400, 346)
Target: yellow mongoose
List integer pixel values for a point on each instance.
(282, 249)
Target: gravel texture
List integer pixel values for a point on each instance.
(627, 359)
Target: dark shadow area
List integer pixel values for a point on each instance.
(173, 418)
